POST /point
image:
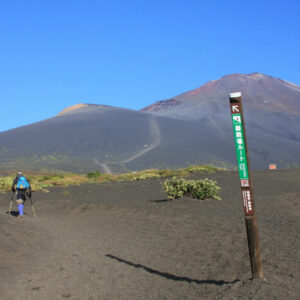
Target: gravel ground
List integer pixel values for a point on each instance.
(127, 241)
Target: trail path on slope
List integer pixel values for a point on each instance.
(103, 166)
(213, 122)
(155, 140)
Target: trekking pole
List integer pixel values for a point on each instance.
(11, 201)
(32, 207)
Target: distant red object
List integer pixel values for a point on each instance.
(272, 167)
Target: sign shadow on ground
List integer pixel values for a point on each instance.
(168, 275)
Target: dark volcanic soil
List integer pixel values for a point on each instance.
(125, 241)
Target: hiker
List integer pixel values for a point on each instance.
(23, 188)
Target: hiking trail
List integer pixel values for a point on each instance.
(103, 166)
(155, 138)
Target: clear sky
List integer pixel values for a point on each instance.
(131, 53)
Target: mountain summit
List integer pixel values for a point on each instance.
(259, 92)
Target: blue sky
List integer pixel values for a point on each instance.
(131, 53)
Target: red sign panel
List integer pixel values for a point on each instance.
(244, 182)
(273, 167)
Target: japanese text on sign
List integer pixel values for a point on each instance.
(240, 146)
(248, 205)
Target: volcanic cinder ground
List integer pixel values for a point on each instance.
(126, 241)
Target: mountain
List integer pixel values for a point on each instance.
(90, 137)
(191, 128)
(271, 109)
(260, 93)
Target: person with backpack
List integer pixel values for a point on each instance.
(23, 188)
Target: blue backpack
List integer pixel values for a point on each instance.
(22, 183)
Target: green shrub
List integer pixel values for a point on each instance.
(204, 189)
(5, 183)
(175, 187)
(93, 174)
(200, 169)
(199, 189)
(144, 176)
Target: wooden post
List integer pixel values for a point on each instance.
(239, 131)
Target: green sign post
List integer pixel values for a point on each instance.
(241, 148)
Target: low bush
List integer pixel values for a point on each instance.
(175, 187)
(5, 183)
(201, 169)
(200, 189)
(93, 174)
(204, 189)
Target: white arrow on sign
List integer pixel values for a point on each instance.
(235, 108)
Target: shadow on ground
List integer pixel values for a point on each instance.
(162, 200)
(13, 213)
(168, 275)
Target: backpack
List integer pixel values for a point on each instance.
(22, 183)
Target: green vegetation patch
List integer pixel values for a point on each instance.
(41, 181)
(199, 189)
(93, 175)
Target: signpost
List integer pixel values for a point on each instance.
(239, 131)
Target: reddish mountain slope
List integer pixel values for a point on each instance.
(259, 91)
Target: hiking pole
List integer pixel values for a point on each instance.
(11, 201)
(32, 207)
